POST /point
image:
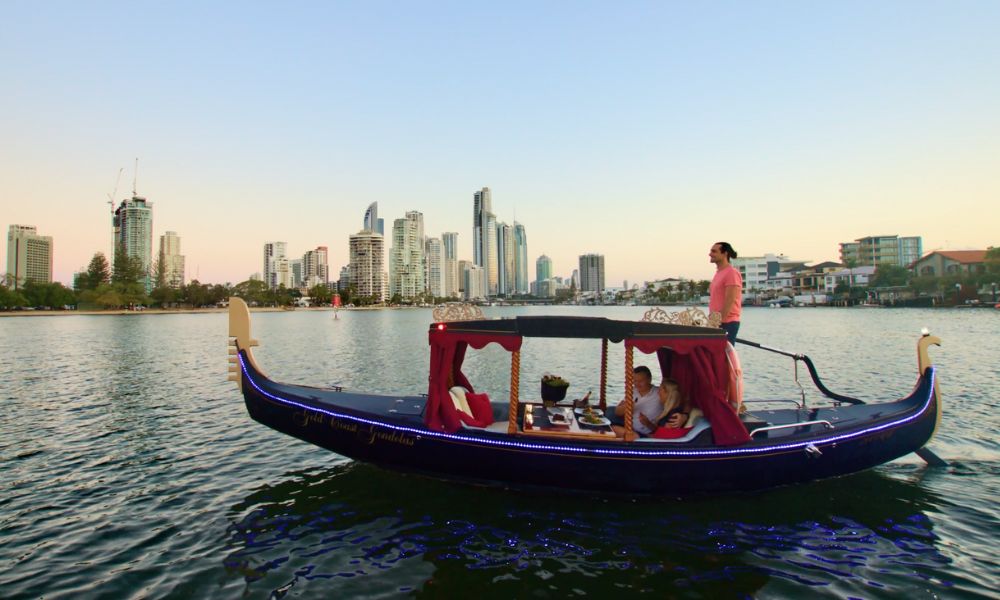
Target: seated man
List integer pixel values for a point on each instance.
(646, 406)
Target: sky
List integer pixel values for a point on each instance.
(641, 131)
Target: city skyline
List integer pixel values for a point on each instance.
(781, 129)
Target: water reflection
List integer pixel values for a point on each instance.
(362, 528)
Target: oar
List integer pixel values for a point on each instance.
(812, 371)
(930, 458)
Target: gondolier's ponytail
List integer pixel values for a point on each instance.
(727, 249)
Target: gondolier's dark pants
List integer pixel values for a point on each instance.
(731, 328)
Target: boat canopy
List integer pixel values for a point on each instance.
(694, 356)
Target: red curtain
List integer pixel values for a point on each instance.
(699, 367)
(447, 355)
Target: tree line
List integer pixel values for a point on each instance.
(122, 285)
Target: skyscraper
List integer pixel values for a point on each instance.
(172, 259)
(505, 259)
(273, 253)
(463, 266)
(521, 282)
(484, 237)
(592, 273)
(543, 273)
(315, 270)
(474, 281)
(29, 255)
(296, 272)
(365, 267)
(372, 222)
(482, 202)
(133, 223)
(451, 273)
(491, 254)
(406, 259)
(434, 267)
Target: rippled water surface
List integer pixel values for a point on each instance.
(130, 469)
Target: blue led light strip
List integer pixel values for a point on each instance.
(597, 451)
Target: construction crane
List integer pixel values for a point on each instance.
(111, 203)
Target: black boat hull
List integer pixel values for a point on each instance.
(363, 430)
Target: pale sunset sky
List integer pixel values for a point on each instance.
(642, 131)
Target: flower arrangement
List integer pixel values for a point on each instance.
(554, 380)
(553, 388)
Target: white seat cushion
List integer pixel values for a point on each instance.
(458, 398)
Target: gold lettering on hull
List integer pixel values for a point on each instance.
(393, 437)
(370, 435)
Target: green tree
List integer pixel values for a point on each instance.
(890, 276)
(320, 294)
(107, 296)
(195, 294)
(51, 295)
(98, 273)
(9, 297)
(159, 271)
(127, 269)
(992, 260)
(347, 295)
(163, 295)
(253, 291)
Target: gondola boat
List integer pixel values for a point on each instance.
(726, 451)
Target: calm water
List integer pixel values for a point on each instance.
(130, 469)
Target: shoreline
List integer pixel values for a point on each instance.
(150, 311)
(260, 309)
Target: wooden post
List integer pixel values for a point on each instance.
(604, 374)
(630, 435)
(515, 383)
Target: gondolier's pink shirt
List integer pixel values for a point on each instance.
(717, 293)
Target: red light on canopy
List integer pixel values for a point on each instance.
(440, 326)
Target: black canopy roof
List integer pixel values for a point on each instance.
(577, 327)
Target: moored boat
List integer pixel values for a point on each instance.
(520, 441)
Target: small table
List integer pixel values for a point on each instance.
(537, 421)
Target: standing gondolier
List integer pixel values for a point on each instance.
(726, 290)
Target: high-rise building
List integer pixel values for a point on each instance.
(29, 255)
(434, 267)
(543, 272)
(882, 250)
(484, 238)
(505, 259)
(274, 251)
(372, 222)
(592, 273)
(345, 278)
(491, 254)
(449, 240)
(365, 267)
(133, 224)
(172, 260)
(543, 268)
(296, 272)
(406, 259)
(474, 281)
(520, 259)
(463, 266)
(482, 202)
(315, 269)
